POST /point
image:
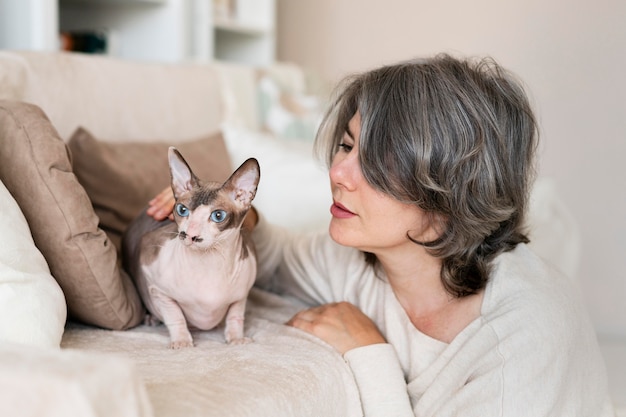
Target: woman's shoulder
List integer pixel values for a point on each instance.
(523, 288)
(535, 321)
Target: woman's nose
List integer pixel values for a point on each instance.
(343, 171)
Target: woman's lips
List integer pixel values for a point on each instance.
(340, 212)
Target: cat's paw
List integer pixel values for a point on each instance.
(240, 341)
(180, 344)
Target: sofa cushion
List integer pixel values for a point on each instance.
(294, 191)
(115, 97)
(122, 177)
(32, 307)
(36, 169)
(287, 113)
(70, 382)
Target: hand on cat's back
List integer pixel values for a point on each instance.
(161, 206)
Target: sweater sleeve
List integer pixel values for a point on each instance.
(380, 380)
(310, 267)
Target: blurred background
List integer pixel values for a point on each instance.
(571, 54)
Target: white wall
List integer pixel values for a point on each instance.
(571, 54)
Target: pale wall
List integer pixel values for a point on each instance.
(572, 55)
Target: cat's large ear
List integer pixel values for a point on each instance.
(183, 179)
(242, 184)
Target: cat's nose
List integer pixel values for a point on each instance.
(182, 235)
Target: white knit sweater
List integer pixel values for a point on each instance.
(532, 352)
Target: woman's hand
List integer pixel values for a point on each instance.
(161, 206)
(341, 325)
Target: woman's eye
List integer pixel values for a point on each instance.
(181, 210)
(345, 147)
(218, 216)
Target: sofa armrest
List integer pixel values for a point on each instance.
(53, 382)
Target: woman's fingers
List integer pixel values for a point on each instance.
(161, 206)
(342, 325)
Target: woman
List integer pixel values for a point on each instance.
(424, 282)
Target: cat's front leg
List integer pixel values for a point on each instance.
(173, 318)
(234, 331)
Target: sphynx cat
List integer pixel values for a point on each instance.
(196, 271)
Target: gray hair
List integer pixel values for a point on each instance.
(457, 138)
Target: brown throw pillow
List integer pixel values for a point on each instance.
(36, 169)
(121, 177)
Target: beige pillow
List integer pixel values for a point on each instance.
(121, 177)
(36, 169)
(32, 305)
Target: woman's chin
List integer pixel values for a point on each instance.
(339, 233)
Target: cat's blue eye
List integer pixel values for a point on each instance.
(181, 210)
(218, 216)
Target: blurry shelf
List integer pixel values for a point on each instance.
(149, 30)
(110, 2)
(230, 25)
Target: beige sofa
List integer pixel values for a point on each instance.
(80, 137)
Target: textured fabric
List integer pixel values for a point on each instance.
(66, 383)
(32, 306)
(35, 168)
(283, 373)
(121, 177)
(532, 351)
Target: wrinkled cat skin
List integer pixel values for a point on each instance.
(197, 271)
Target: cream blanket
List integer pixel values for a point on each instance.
(284, 372)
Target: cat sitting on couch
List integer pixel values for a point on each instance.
(196, 271)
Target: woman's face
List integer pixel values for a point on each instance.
(363, 217)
